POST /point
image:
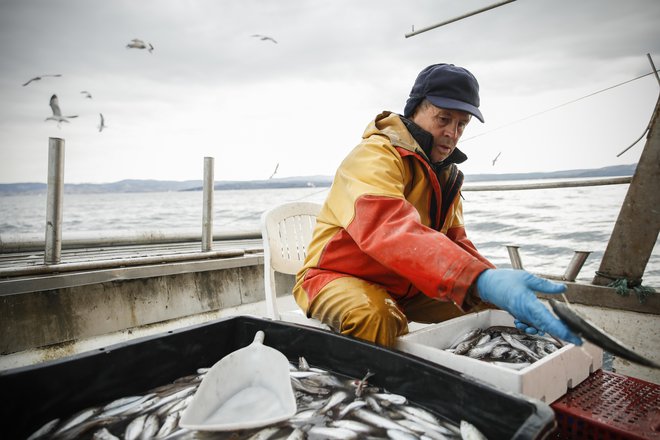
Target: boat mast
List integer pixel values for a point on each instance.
(636, 229)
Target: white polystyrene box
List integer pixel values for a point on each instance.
(546, 379)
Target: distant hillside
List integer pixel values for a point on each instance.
(136, 185)
(616, 170)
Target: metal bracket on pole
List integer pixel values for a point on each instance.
(53, 251)
(207, 215)
(573, 269)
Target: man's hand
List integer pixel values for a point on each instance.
(513, 291)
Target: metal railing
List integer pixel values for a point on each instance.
(54, 243)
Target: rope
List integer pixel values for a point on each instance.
(623, 285)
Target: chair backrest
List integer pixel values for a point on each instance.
(286, 231)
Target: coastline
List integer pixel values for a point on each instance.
(150, 185)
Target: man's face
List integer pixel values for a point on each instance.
(446, 126)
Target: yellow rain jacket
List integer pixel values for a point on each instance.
(390, 219)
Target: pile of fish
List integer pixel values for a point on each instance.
(329, 406)
(504, 346)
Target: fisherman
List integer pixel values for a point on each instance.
(390, 245)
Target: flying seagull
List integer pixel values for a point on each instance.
(136, 43)
(87, 94)
(265, 38)
(102, 123)
(37, 78)
(496, 157)
(57, 113)
(274, 172)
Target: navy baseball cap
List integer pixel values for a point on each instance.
(445, 86)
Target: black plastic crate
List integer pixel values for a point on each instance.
(34, 395)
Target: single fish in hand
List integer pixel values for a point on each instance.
(597, 336)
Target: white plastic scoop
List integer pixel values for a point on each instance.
(248, 388)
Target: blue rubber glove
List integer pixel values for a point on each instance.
(527, 329)
(513, 291)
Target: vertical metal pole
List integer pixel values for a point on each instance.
(207, 216)
(573, 269)
(514, 256)
(53, 252)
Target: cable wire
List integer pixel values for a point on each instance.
(557, 106)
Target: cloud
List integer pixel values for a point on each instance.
(209, 88)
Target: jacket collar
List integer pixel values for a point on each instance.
(425, 140)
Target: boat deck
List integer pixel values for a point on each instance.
(13, 261)
(23, 270)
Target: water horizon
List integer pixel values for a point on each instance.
(548, 225)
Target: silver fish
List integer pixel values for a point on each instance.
(434, 430)
(465, 346)
(166, 409)
(374, 405)
(470, 432)
(500, 352)
(466, 337)
(332, 433)
(415, 427)
(542, 348)
(128, 408)
(44, 430)
(353, 425)
(296, 434)
(182, 405)
(481, 350)
(76, 420)
(190, 379)
(77, 431)
(350, 407)
(484, 338)
(121, 402)
(169, 425)
(302, 364)
(395, 434)
(396, 399)
(301, 374)
(515, 343)
(419, 412)
(265, 433)
(597, 336)
(104, 434)
(174, 397)
(325, 380)
(334, 400)
(150, 428)
(304, 416)
(135, 427)
(378, 420)
(299, 384)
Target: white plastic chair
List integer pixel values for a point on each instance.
(286, 231)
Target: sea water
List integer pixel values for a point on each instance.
(547, 225)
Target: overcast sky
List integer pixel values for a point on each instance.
(211, 89)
